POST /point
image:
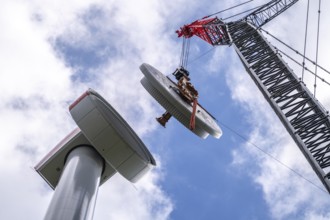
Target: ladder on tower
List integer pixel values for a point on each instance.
(302, 115)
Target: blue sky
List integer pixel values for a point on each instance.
(52, 51)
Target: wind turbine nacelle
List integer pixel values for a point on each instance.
(100, 127)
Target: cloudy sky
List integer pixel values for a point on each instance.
(52, 51)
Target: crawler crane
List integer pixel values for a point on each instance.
(302, 115)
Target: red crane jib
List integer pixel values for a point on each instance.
(212, 30)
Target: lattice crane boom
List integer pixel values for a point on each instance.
(305, 119)
(267, 12)
(302, 115)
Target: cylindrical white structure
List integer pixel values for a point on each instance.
(75, 195)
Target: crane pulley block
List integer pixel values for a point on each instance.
(181, 72)
(212, 30)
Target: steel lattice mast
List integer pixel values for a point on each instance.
(267, 12)
(302, 115)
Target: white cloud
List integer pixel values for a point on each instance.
(144, 200)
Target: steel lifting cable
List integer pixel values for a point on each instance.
(227, 9)
(200, 56)
(243, 12)
(304, 57)
(272, 157)
(322, 79)
(182, 51)
(317, 45)
(296, 51)
(185, 52)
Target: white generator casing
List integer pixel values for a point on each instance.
(102, 128)
(111, 136)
